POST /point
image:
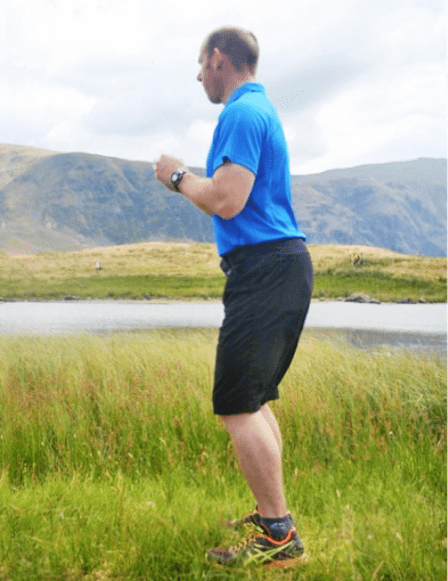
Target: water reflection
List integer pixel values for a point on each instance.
(424, 344)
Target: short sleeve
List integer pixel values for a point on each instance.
(239, 137)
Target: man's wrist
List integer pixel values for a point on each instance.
(177, 176)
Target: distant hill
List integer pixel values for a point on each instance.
(401, 206)
(53, 201)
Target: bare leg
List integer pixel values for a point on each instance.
(270, 418)
(256, 442)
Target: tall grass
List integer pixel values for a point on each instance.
(114, 468)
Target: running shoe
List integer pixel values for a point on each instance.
(262, 550)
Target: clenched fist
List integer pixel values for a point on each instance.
(164, 168)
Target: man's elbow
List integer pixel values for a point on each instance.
(229, 206)
(228, 211)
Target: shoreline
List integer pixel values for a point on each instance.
(169, 300)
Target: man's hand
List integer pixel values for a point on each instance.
(164, 167)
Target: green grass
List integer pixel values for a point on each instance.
(113, 468)
(124, 287)
(327, 284)
(169, 270)
(382, 286)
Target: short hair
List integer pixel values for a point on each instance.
(238, 44)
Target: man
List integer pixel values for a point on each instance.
(269, 280)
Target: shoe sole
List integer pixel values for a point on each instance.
(280, 564)
(287, 563)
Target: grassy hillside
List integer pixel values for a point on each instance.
(170, 270)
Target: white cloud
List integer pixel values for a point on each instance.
(399, 116)
(354, 82)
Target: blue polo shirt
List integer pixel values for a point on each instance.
(250, 134)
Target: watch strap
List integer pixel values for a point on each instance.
(176, 177)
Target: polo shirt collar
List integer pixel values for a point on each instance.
(246, 88)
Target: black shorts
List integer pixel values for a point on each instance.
(266, 300)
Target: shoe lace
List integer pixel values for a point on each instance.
(251, 538)
(244, 543)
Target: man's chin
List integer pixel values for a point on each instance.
(214, 100)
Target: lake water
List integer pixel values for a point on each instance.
(420, 326)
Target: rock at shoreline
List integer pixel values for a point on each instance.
(357, 298)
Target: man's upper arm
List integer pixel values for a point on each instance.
(237, 145)
(233, 183)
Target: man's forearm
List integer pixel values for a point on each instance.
(200, 192)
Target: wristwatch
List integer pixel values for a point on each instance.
(176, 177)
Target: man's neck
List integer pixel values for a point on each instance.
(235, 83)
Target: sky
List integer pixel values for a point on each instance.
(354, 81)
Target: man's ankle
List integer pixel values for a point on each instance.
(278, 527)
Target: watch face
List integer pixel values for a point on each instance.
(174, 177)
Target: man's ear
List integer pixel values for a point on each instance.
(217, 59)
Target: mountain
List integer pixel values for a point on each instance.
(53, 201)
(401, 206)
(74, 200)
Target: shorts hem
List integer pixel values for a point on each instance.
(252, 408)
